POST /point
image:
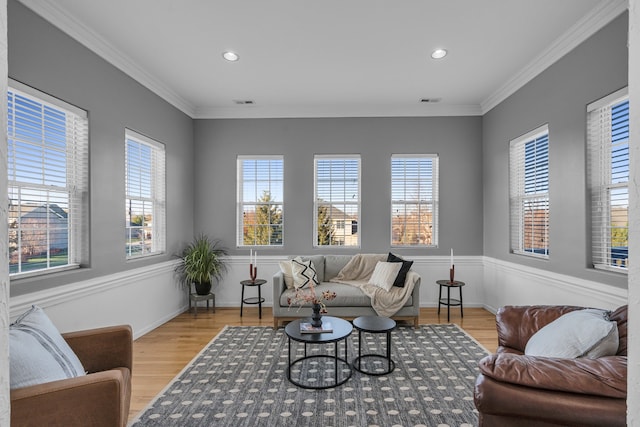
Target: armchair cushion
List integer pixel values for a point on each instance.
(38, 353)
(581, 333)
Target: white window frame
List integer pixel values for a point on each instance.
(75, 186)
(599, 179)
(156, 199)
(271, 182)
(519, 198)
(354, 202)
(409, 187)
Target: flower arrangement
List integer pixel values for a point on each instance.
(308, 296)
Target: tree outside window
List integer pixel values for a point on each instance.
(260, 201)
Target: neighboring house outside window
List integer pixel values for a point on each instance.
(260, 210)
(529, 193)
(608, 180)
(414, 200)
(47, 141)
(145, 204)
(337, 200)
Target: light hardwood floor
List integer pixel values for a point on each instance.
(162, 353)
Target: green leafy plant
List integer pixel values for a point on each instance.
(202, 262)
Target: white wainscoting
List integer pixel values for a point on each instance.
(507, 283)
(144, 298)
(149, 296)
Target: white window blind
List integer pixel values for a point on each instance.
(48, 182)
(529, 193)
(414, 200)
(145, 203)
(337, 200)
(260, 201)
(608, 179)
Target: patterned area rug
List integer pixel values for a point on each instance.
(240, 379)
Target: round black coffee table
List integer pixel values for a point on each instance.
(341, 329)
(374, 325)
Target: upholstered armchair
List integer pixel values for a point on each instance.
(514, 389)
(99, 399)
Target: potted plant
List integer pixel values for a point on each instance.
(201, 263)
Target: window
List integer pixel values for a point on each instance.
(414, 200)
(608, 178)
(145, 195)
(260, 201)
(47, 182)
(529, 193)
(337, 201)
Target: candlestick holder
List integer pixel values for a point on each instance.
(253, 272)
(452, 273)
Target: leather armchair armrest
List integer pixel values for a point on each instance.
(102, 349)
(99, 399)
(605, 376)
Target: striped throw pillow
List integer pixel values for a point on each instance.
(38, 353)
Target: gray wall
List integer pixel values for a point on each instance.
(42, 56)
(559, 97)
(456, 139)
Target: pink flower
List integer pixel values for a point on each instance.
(308, 295)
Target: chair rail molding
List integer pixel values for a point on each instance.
(508, 283)
(144, 298)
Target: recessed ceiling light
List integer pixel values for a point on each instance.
(438, 53)
(230, 56)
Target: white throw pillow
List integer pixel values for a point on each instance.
(285, 267)
(38, 353)
(582, 333)
(304, 272)
(385, 274)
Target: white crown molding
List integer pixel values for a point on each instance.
(417, 110)
(600, 16)
(586, 27)
(89, 38)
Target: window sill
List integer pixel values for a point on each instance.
(531, 255)
(145, 256)
(25, 275)
(610, 268)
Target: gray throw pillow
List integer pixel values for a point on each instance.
(38, 353)
(581, 333)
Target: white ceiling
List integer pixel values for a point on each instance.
(330, 58)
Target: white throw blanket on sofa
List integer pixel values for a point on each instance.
(358, 271)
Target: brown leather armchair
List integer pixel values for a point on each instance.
(98, 399)
(517, 390)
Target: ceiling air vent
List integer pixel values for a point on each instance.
(243, 102)
(431, 100)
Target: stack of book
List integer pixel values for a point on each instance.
(308, 328)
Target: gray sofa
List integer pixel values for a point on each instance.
(350, 301)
